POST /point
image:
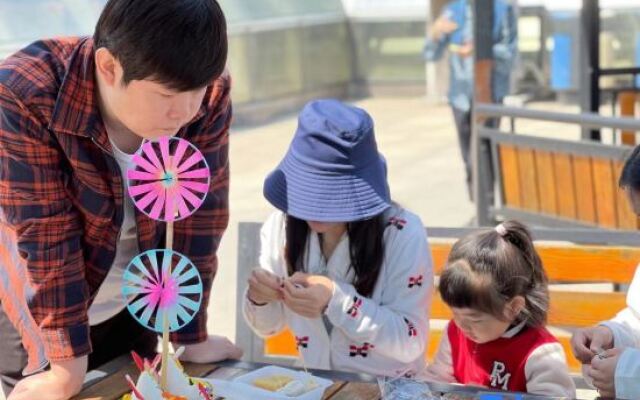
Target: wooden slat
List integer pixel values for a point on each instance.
(627, 102)
(568, 309)
(510, 176)
(570, 263)
(435, 335)
(546, 182)
(332, 390)
(357, 391)
(606, 195)
(627, 219)
(585, 197)
(565, 189)
(564, 339)
(528, 182)
(575, 309)
(439, 253)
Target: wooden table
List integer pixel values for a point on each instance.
(108, 382)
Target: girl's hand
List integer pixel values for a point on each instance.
(308, 295)
(264, 287)
(61, 382)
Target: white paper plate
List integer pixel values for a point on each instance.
(241, 388)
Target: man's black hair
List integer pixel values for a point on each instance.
(630, 175)
(179, 43)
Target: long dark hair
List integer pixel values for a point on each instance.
(487, 269)
(366, 249)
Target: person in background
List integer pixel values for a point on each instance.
(452, 31)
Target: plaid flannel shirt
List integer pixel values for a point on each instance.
(61, 198)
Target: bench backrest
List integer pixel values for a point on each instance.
(552, 179)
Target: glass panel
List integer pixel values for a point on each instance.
(252, 10)
(25, 21)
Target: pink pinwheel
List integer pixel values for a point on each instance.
(169, 180)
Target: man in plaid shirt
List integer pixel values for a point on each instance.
(72, 112)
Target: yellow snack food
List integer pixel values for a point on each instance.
(272, 383)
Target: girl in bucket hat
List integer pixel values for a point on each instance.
(347, 270)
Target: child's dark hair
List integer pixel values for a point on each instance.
(487, 269)
(179, 43)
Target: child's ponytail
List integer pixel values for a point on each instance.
(537, 295)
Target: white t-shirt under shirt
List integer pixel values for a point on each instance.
(108, 301)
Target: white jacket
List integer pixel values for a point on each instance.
(626, 334)
(383, 335)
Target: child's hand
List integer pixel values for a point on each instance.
(602, 373)
(588, 342)
(61, 382)
(308, 295)
(264, 287)
(215, 348)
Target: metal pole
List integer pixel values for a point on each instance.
(590, 65)
(483, 186)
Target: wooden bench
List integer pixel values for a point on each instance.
(552, 181)
(576, 257)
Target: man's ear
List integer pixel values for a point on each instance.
(107, 66)
(514, 307)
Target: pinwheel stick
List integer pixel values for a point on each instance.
(165, 318)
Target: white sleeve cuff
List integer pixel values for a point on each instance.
(337, 307)
(627, 378)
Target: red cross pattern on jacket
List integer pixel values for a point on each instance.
(302, 341)
(363, 351)
(399, 223)
(355, 307)
(415, 281)
(412, 329)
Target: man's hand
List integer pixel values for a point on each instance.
(308, 295)
(264, 287)
(603, 370)
(588, 342)
(215, 348)
(61, 382)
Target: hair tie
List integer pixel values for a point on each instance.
(502, 231)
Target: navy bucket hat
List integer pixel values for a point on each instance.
(332, 171)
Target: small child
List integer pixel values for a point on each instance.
(496, 288)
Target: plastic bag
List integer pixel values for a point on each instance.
(405, 389)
